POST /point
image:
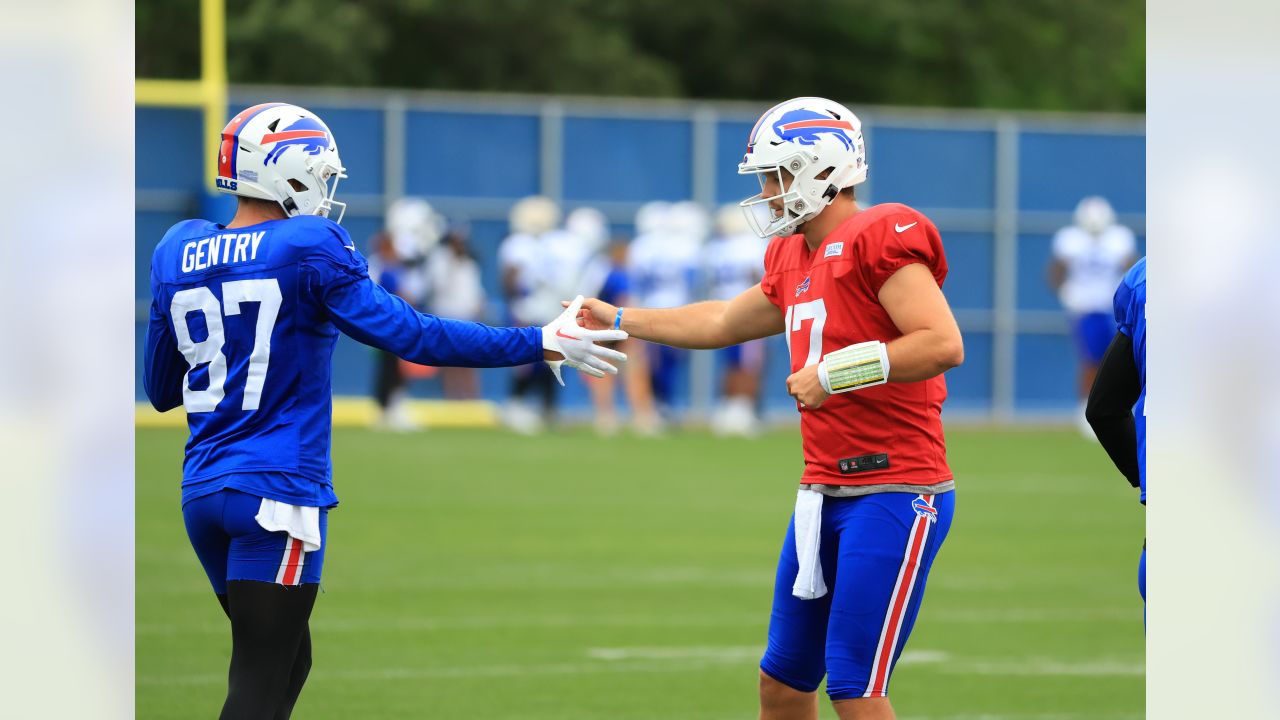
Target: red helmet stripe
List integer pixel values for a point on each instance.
(291, 135)
(230, 145)
(832, 123)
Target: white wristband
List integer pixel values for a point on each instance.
(854, 367)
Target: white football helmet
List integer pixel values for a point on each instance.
(283, 153)
(590, 226)
(806, 137)
(652, 217)
(415, 227)
(1094, 214)
(687, 219)
(534, 215)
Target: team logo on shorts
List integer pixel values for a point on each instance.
(925, 510)
(802, 287)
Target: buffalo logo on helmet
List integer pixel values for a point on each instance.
(808, 126)
(305, 132)
(925, 510)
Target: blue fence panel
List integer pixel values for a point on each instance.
(932, 168)
(1034, 254)
(1055, 170)
(970, 283)
(731, 145)
(628, 160)
(471, 154)
(169, 149)
(361, 137)
(969, 386)
(1045, 378)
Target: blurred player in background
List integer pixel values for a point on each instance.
(664, 263)
(1089, 259)
(858, 294)
(1117, 408)
(519, 257)
(614, 289)
(454, 290)
(734, 261)
(412, 229)
(244, 318)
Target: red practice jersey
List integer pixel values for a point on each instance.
(886, 434)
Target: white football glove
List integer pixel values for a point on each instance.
(578, 344)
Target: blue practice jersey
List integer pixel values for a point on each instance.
(1131, 319)
(243, 326)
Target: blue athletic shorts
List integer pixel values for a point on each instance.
(1093, 333)
(876, 551)
(232, 545)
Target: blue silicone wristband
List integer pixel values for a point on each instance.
(617, 320)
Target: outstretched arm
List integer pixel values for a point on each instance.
(368, 313)
(700, 326)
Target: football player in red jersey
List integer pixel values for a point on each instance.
(858, 292)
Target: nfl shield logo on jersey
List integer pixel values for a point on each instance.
(802, 287)
(924, 509)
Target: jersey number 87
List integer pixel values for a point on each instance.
(266, 292)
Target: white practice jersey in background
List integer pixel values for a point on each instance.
(519, 252)
(733, 263)
(663, 268)
(456, 289)
(1094, 264)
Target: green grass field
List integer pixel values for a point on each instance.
(466, 579)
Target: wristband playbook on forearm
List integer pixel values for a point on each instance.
(854, 367)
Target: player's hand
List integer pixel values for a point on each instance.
(594, 314)
(805, 387)
(577, 344)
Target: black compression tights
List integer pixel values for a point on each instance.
(270, 648)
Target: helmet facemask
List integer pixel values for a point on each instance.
(802, 199)
(319, 186)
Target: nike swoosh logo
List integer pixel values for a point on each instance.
(560, 333)
(900, 228)
(351, 247)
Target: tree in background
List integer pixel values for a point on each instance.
(1022, 54)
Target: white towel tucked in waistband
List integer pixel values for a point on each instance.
(808, 521)
(300, 521)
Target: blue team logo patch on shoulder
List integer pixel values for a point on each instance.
(925, 510)
(808, 126)
(802, 287)
(306, 133)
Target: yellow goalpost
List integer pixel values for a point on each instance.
(208, 92)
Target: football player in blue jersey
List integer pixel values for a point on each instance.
(244, 319)
(1117, 408)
